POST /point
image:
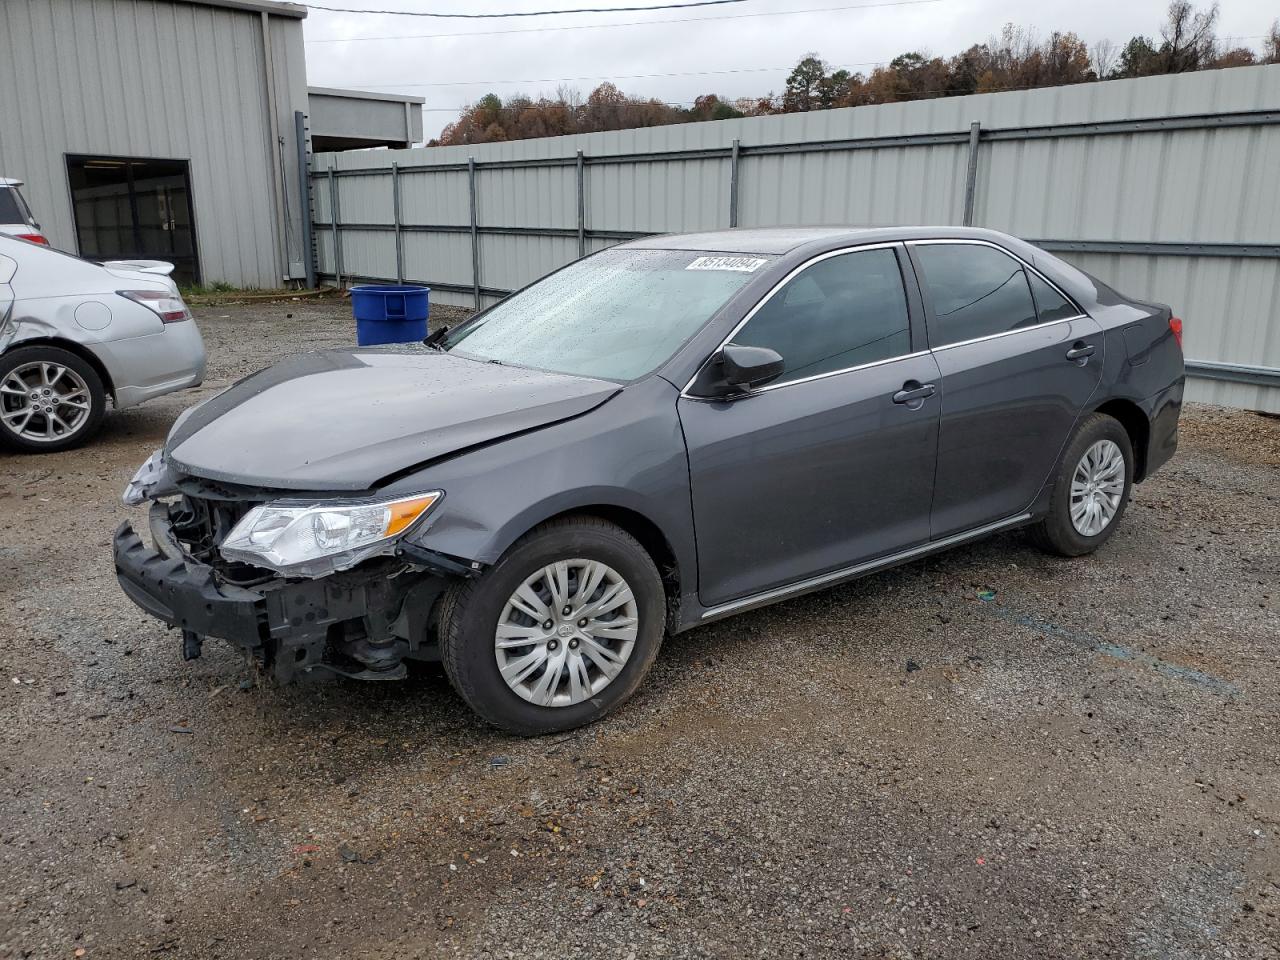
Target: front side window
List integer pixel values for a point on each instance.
(841, 312)
(976, 291)
(616, 315)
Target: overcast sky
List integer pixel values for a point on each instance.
(735, 50)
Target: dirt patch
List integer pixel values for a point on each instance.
(1237, 434)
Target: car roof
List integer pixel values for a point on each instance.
(796, 244)
(780, 240)
(9, 182)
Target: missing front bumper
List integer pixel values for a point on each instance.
(362, 622)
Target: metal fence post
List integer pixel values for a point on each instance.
(395, 205)
(971, 174)
(733, 183)
(475, 233)
(304, 189)
(582, 207)
(337, 229)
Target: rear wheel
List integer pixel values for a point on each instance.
(1091, 490)
(559, 632)
(50, 399)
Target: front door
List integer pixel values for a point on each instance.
(134, 209)
(1019, 362)
(833, 462)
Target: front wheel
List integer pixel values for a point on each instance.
(1091, 490)
(559, 632)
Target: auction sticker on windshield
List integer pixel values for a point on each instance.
(737, 264)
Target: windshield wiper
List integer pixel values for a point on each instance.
(433, 339)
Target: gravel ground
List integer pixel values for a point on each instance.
(1084, 765)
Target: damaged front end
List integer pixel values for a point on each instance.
(314, 589)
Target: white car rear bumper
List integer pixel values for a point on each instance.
(145, 367)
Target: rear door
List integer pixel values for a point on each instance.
(1019, 362)
(833, 462)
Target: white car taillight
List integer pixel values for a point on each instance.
(167, 306)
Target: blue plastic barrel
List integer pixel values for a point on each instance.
(389, 314)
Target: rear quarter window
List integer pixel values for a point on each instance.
(1050, 304)
(12, 209)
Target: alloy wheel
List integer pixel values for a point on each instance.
(1097, 487)
(566, 632)
(44, 401)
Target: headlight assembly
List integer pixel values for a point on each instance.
(314, 539)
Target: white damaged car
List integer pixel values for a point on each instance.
(75, 333)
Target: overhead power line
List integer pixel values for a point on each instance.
(627, 23)
(519, 13)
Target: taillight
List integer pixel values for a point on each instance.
(167, 306)
(32, 238)
(1175, 327)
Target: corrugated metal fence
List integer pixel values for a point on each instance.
(1166, 187)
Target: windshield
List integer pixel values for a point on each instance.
(616, 315)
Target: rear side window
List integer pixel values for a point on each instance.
(11, 206)
(1050, 304)
(841, 312)
(976, 291)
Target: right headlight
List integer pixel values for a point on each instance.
(313, 539)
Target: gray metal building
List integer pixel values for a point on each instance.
(169, 129)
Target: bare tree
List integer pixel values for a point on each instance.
(1271, 45)
(571, 97)
(1103, 57)
(1189, 39)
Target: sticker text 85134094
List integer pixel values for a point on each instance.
(736, 264)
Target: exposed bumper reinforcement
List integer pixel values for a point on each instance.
(288, 627)
(184, 594)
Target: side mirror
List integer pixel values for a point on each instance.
(750, 367)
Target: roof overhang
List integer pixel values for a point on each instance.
(357, 119)
(362, 95)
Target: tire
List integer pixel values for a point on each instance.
(49, 372)
(474, 609)
(1058, 532)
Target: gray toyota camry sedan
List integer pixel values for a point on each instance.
(671, 431)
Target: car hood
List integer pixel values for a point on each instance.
(344, 420)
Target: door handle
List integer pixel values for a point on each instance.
(914, 393)
(1080, 351)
